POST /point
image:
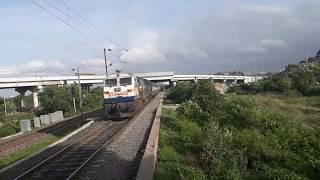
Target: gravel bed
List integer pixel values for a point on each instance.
(23, 166)
(121, 158)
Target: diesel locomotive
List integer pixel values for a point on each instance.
(125, 95)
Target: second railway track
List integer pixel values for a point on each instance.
(10, 145)
(68, 161)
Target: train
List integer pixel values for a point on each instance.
(125, 95)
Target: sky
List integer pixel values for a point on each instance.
(185, 36)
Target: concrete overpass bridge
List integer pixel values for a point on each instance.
(35, 84)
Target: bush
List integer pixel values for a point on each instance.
(61, 99)
(182, 92)
(8, 129)
(235, 137)
(177, 171)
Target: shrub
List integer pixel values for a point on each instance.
(182, 92)
(235, 137)
(61, 99)
(8, 129)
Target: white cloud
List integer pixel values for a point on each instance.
(39, 64)
(8, 70)
(144, 49)
(253, 50)
(96, 62)
(32, 68)
(274, 43)
(148, 54)
(270, 9)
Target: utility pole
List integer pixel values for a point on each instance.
(307, 64)
(5, 106)
(105, 61)
(74, 106)
(79, 86)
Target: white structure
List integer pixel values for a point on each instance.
(25, 125)
(45, 120)
(36, 122)
(34, 84)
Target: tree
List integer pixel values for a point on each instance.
(56, 99)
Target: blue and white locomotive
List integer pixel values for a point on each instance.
(125, 95)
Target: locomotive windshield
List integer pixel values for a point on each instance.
(125, 81)
(111, 82)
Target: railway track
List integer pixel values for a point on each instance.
(67, 162)
(9, 145)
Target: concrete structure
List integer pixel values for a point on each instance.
(36, 122)
(35, 84)
(25, 125)
(45, 120)
(148, 161)
(53, 117)
(59, 115)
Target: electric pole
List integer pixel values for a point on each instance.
(105, 61)
(79, 86)
(5, 106)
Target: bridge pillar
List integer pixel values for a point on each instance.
(35, 90)
(195, 79)
(86, 87)
(172, 83)
(22, 91)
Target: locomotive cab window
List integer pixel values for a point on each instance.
(111, 82)
(125, 81)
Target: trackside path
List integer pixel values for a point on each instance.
(121, 158)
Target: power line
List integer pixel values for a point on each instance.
(71, 26)
(90, 25)
(67, 16)
(68, 24)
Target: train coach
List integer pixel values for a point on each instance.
(125, 95)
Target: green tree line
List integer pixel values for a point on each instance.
(61, 99)
(52, 99)
(301, 79)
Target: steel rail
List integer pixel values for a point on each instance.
(65, 149)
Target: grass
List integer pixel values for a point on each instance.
(264, 136)
(11, 122)
(308, 107)
(174, 162)
(28, 152)
(33, 149)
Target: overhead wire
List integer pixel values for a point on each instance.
(88, 24)
(69, 17)
(68, 24)
(99, 45)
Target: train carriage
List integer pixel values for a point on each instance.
(125, 95)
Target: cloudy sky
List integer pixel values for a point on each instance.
(185, 36)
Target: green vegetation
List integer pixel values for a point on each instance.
(33, 149)
(61, 99)
(300, 79)
(11, 122)
(7, 160)
(214, 136)
(52, 99)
